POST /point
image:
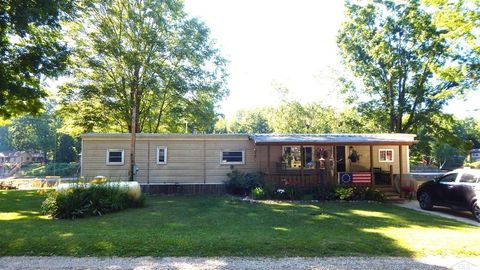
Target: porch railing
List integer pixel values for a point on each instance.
(282, 179)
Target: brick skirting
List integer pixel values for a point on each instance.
(183, 188)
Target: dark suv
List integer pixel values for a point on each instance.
(458, 189)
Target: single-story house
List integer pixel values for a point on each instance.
(202, 160)
(15, 157)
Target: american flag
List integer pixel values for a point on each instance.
(362, 177)
(346, 178)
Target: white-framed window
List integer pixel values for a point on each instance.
(232, 157)
(161, 155)
(115, 157)
(292, 156)
(385, 155)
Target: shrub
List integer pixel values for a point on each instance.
(475, 165)
(293, 193)
(61, 169)
(368, 193)
(243, 183)
(258, 193)
(83, 200)
(326, 193)
(359, 193)
(344, 193)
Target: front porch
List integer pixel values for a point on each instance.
(326, 160)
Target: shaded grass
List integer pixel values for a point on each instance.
(226, 226)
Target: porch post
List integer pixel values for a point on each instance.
(268, 160)
(302, 158)
(400, 159)
(371, 165)
(335, 170)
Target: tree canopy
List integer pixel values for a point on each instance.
(30, 48)
(295, 117)
(461, 20)
(395, 51)
(148, 55)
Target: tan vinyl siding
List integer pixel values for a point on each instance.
(364, 162)
(94, 157)
(190, 159)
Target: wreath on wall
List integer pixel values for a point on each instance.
(354, 156)
(321, 153)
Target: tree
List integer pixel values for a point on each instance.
(143, 66)
(5, 144)
(34, 133)
(461, 19)
(250, 121)
(145, 60)
(66, 150)
(30, 49)
(294, 117)
(395, 51)
(447, 156)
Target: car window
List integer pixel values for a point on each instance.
(468, 178)
(449, 178)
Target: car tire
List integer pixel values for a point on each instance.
(425, 201)
(476, 210)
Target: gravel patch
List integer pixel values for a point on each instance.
(188, 263)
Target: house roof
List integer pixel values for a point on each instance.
(14, 154)
(163, 136)
(11, 153)
(387, 138)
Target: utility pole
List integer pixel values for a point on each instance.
(134, 135)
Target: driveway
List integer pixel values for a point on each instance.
(221, 263)
(462, 216)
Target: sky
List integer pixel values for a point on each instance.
(273, 44)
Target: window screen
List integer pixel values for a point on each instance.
(115, 156)
(232, 157)
(386, 155)
(161, 155)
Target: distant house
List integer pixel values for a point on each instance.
(20, 157)
(475, 155)
(205, 159)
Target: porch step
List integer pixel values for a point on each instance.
(390, 194)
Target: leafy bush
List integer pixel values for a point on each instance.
(60, 169)
(359, 193)
(243, 183)
(368, 193)
(475, 165)
(7, 166)
(326, 193)
(293, 193)
(90, 200)
(258, 193)
(344, 193)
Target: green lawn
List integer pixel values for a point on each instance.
(226, 226)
